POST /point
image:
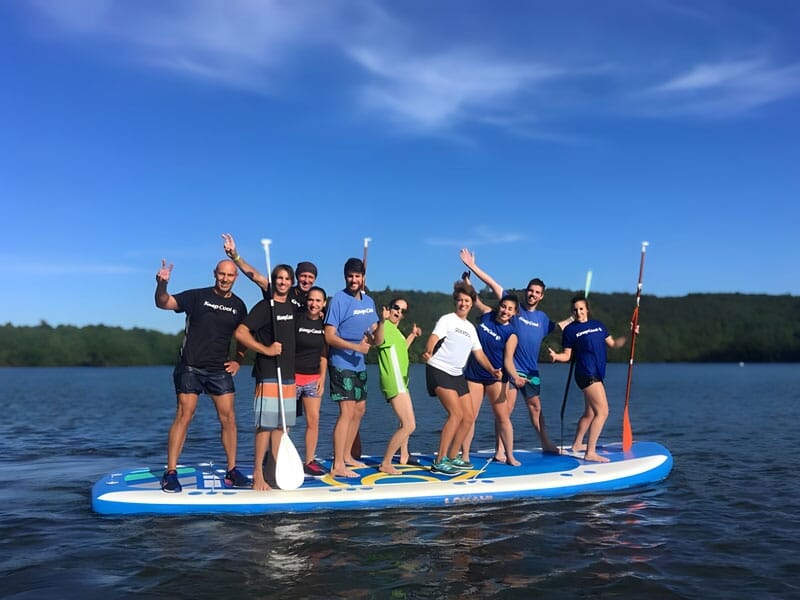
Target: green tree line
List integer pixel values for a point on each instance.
(693, 328)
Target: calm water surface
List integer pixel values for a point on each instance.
(726, 523)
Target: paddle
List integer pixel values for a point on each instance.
(355, 449)
(483, 468)
(289, 473)
(627, 433)
(572, 362)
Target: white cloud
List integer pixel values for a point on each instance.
(439, 89)
(480, 236)
(403, 72)
(248, 43)
(724, 89)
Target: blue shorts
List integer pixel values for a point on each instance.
(533, 385)
(192, 380)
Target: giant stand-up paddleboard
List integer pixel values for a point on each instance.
(138, 491)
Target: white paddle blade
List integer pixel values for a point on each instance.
(289, 473)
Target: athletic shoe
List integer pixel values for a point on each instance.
(444, 467)
(170, 483)
(235, 478)
(314, 469)
(460, 463)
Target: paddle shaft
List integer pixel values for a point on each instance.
(627, 433)
(266, 244)
(355, 449)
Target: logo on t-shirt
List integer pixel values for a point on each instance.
(595, 330)
(229, 309)
(496, 336)
(527, 322)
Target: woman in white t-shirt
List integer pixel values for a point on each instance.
(450, 344)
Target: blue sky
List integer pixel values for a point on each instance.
(551, 138)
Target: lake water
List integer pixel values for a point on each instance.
(725, 524)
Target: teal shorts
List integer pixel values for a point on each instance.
(347, 385)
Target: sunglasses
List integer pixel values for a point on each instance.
(402, 310)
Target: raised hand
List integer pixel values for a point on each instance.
(467, 257)
(229, 245)
(164, 272)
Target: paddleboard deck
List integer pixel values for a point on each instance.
(138, 491)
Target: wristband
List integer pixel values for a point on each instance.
(236, 258)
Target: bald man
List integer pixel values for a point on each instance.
(212, 315)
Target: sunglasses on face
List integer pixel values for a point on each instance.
(402, 310)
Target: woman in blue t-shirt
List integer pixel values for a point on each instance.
(497, 333)
(589, 339)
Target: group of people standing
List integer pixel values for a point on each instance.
(301, 343)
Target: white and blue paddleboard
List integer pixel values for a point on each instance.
(138, 491)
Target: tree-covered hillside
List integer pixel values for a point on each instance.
(693, 328)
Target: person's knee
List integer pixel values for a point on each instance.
(184, 414)
(227, 420)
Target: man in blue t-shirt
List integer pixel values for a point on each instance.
(533, 326)
(212, 314)
(352, 326)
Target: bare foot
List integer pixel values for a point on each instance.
(551, 449)
(512, 461)
(355, 464)
(594, 457)
(260, 485)
(498, 459)
(389, 469)
(579, 447)
(344, 473)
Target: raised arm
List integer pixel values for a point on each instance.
(565, 322)
(163, 298)
(468, 258)
(229, 245)
(479, 304)
(415, 333)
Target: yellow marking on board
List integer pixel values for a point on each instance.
(408, 472)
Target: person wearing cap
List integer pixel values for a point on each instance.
(306, 273)
(352, 327)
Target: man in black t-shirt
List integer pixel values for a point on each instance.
(272, 336)
(212, 315)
